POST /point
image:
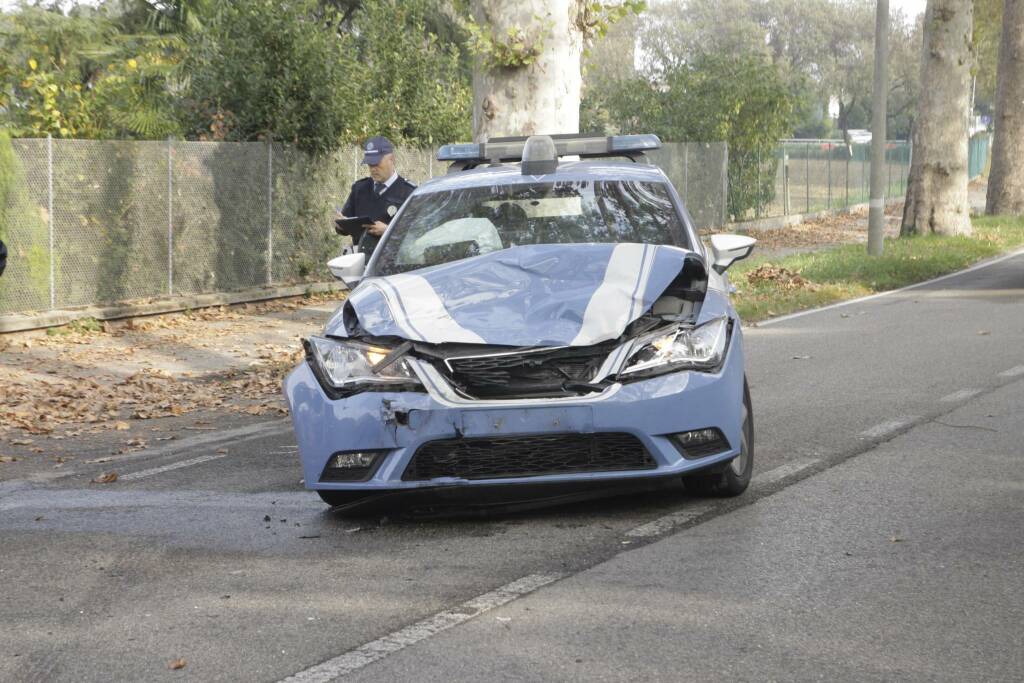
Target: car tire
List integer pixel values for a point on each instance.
(733, 477)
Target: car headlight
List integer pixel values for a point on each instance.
(347, 364)
(697, 348)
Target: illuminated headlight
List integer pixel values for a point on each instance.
(697, 348)
(345, 364)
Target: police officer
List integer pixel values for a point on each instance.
(377, 197)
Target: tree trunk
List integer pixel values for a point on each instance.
(937, 186)
(1006, 180)
(542, 97)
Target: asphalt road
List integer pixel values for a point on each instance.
(210, 551)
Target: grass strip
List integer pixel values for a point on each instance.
(768, 287)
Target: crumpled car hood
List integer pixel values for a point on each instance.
(536, 295)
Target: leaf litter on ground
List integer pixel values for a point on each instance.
(100, 378)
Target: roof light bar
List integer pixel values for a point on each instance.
(511, 149)
(633, 143)
(460, 152)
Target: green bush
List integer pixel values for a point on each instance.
(742, 100)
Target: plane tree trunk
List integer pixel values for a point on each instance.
(937, 187)
(538, 97)
(1006, 179)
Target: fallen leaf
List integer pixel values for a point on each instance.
(222, 450)
(801, 357)
(106, 478)
(122, 426)
(8, 458)
(984, 332)
(176, 664)
(896, 539)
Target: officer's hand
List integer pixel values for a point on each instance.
(338, 215)
(376, 228)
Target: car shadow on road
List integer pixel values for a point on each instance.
(571, 509)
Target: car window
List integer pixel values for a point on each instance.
(438, 227)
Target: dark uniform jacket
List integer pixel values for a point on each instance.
(363, 201)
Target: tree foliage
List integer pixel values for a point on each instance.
(82, 76)
(739, 99)
(822, 47)
(260, 70)
(316, 73)
(416, 87)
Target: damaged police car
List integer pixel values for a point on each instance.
(530, 327)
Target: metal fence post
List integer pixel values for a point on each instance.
(807, 174)
(170, 219)
(757, 188)
(49, 211)
(725, 182)
(785, 181)
(862, 188)
(686, 173)
(828, 157)
(270, 212)
(847, 198)
(888, 171)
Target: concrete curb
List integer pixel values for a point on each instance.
(21, 322)
(780, 222)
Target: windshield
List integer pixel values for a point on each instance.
(438, 227)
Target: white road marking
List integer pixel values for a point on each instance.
(977, 266)
(173, 466)
(1013, 372)
(961, 395)
(376, 650)
(782, 471)
(885, 428)
(670, 521)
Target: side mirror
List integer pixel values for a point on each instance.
(348, 268)
(728, 249)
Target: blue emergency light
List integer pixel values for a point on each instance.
(497, 150)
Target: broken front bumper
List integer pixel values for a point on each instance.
(632, 422)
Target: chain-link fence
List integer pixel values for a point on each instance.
(803, 176)
(97, 222)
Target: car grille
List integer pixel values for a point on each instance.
(536, 373)
(528, 456)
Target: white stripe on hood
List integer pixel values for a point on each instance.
(616, 302)
(421, 309)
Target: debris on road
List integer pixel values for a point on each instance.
(105, 478)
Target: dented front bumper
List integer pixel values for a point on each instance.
(397, 424)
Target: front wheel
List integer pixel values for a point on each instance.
(733, 478)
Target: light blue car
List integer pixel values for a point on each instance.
(530, 328)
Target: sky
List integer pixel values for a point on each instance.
(909, 7)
